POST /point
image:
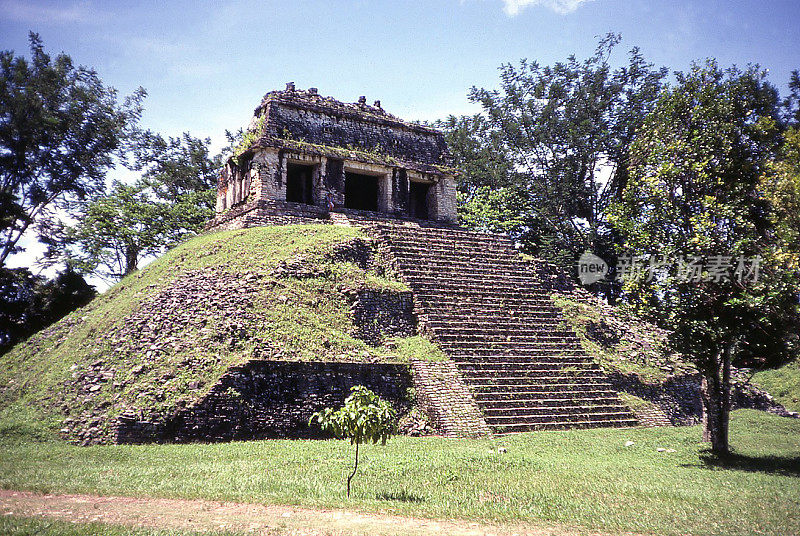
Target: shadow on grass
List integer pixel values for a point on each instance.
(402, 496)
(780, 465)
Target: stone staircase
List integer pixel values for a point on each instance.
(489, 312)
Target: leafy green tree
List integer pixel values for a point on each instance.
(364, 418)
(181, 172)
(694, 193)
(781, 186)
(29, 302)
(17, 289)
(791, 104)
(60, 128)
(173, 200)
(116, 232)
(561, 134)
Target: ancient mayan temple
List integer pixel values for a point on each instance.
(514, 364)
(311, 154)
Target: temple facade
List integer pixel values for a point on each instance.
(305, 156)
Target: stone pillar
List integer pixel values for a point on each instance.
(445, 203)
(270, 181)
(385, 193)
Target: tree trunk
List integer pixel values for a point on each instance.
(131, 259)
(716, 395)
(349, 478)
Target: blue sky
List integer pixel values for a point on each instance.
(206, 65)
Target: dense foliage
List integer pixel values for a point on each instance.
(60, 128)
(549, 153)
(29, 302)
(173, 200)
(717, 276)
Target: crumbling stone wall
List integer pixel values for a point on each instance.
(267, 212)
(270, 399)
(445, 399)
(679, 396)
(322, 125)
(301, 127)
(378, 314)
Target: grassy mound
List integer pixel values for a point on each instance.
(621, 341)
(162, 337)
(783, 383)
(626, 344)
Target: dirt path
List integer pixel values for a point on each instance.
(200, 515)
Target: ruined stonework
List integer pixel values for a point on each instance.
(269, 399)
(378, 314)
(442, 396)
(305, 156)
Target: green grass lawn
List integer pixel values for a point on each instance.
(24, 526)
(782, 383)
(579, 478)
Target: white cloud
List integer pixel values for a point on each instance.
(39, 13)
(562, 7)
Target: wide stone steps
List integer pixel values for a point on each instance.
(519, 370)
(506, 286)
(555, 424)
(504, 344)
(501, 414)
(531, 422)
(452, 310)
(477, 296)
(425, 272)
(467, 323)
(525, 386)
(543, 362)
(451, 250)
(516, 353)
(497, 305)
(513, 349)
(525, 363)
(444, 236)
(487, 310)
(517, 378)
(483, 296)
(551, 405)
(492, 398)
(461, 263)
(491, 332)
(503, 341)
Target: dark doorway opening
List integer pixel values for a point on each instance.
(361, 191)
(299, 187)
(418, 200)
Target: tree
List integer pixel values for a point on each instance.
(781, 186)
(29, 302)
(561, 134)
(694, 199)
(59, 130)
(364, 418)
(173, 200)
(116, 232)
(181, 172)
(791, 104)
(17, 288)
